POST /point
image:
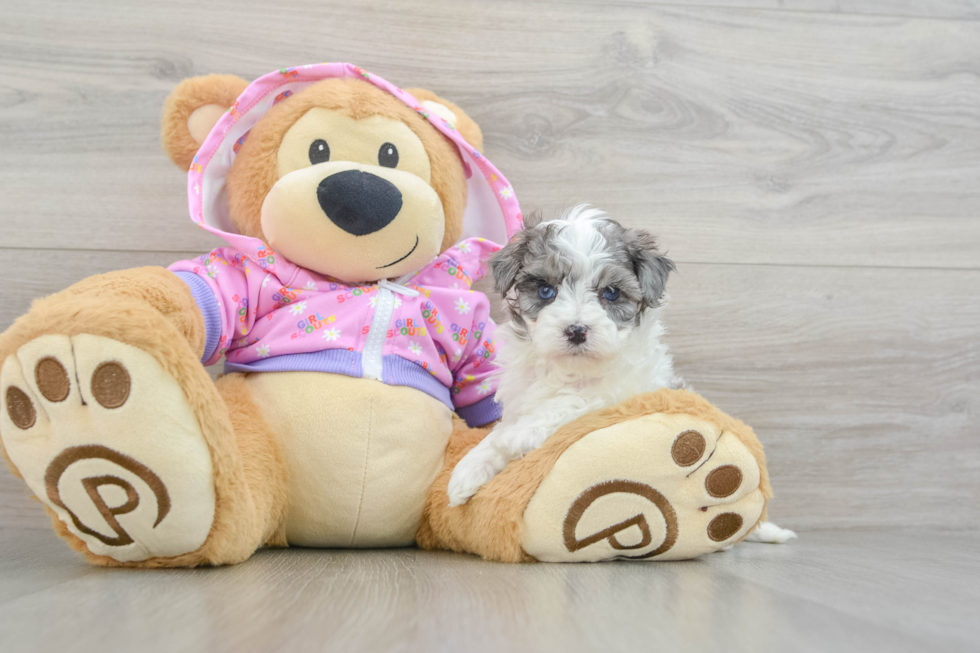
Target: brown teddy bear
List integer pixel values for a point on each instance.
(358, 358)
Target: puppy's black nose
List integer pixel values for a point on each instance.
(576, 333)
(358, 202)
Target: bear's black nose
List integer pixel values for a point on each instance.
(358, 202)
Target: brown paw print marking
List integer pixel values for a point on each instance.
(723, 481)
(92, 484)
(587, 498)
(52, 379)
(20, 408)
(724, 526)
(688, 448)
(110, 384)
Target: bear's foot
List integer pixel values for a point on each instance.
(660, 486)
(105, 437)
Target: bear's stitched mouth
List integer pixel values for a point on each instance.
(381, 267)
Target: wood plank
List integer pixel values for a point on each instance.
(740, 135)
(900, 570)
(33, 560)
(938, 9)
(43, 272)
(18, 507)
(863, 384)
(821, 593)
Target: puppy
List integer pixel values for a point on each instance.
(584, 295)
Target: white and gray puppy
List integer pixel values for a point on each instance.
(584, 295)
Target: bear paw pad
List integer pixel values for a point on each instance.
(105, 437)
(661, 486)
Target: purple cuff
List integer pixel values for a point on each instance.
(208, 303)
(482, 412)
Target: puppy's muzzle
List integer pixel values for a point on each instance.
(577, 334)
(358, 202)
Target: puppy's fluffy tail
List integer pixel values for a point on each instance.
(769, 533)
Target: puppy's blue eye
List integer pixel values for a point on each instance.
(546, 292)
(610, 294)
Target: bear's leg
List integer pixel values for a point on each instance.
(662, 476)
(109, 417)
(461, 529)
(263, 468)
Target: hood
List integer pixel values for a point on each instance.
(492, 211)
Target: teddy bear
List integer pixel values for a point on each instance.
(358, 361)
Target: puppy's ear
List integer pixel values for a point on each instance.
(650, 267)
(533, 218)
(190, 112)
(507, 263)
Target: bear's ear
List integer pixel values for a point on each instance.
(452, 113)
(192, 110)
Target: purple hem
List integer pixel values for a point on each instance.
(396, 370)
(400, 371)
(333, 361)
(208, 304)
(482, 412)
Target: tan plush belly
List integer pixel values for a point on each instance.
(361, 455)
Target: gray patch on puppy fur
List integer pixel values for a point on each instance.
(621, 258)
(650, 268)
(528, 262)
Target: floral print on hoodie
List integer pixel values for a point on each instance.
(438, 339)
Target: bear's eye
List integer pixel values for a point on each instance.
(388, 156)
(319, 151)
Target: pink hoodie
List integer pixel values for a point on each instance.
(428, 330)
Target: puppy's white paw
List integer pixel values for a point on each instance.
(769, 533)
(474, 471)
(515, 441)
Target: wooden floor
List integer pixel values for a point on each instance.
(857, 591)
(813, 167)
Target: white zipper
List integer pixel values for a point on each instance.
(372, 363)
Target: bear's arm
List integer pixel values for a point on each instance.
(226, 287)
(474, 385)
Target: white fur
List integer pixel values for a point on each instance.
(544, 383)
(769, 533)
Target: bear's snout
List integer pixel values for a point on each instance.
(354, 221)
(359, 202)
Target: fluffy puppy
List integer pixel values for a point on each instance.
(584, 295)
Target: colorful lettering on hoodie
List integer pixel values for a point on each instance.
(429, 331)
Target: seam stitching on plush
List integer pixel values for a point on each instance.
(78, 382)
(706, 459)
(367, 455)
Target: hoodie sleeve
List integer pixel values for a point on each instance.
(226, 287)
(473, 384)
